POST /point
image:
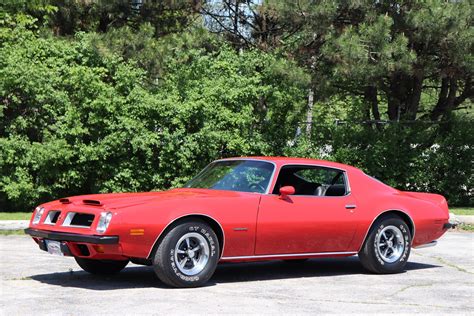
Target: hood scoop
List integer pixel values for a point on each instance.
(65, 201)
(92, 202)
(86, 202)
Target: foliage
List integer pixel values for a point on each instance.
(466, 227)
(67, 107)
(390, 52)
(104, 96)
(411, 157)
(67, 17)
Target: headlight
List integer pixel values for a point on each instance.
(38, 213)
(104, 222)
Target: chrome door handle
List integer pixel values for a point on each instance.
(351, 206)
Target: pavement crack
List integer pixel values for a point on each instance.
(411, 286)
(452, 265)
(447, 263)
(385, 302)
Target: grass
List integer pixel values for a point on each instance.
(14, 216)
(12, 232)
(466, 227)
(462, 210)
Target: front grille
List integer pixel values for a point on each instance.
(52, 217)
(78, 219)
(81, 219)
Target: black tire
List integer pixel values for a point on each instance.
(371, 255)
(165, 262)
(104, 267)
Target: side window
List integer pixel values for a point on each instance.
(311, 180)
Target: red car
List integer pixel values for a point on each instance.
(244, 209)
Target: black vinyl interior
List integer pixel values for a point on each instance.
(336, 190)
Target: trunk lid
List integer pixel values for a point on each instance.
(436, 199)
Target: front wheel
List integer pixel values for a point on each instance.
(387, 247)
(101, 266)
(187, 256)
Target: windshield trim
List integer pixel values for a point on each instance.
(270, 182)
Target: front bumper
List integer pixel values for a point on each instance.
(59, 236)
(78, 245)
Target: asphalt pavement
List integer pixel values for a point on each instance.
(438, 280)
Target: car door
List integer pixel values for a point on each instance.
(303, 222)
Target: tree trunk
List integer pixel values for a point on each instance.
(236, 17)
(446, 98)
(413, 102)
(393, 107)
(370, 96)
(394, 92)
(309, 113)
(104, 22)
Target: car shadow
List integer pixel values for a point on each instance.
(271, 270)
(144, 277)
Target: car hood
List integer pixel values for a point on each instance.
(123, 200)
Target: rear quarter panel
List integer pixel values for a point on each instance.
(374, 199)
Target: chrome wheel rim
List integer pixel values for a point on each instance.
(390, 244)
(191, 253)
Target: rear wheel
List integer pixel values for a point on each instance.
(387, 247)
(187, 256)
(101, 266)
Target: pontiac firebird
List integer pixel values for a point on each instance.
(244, 209)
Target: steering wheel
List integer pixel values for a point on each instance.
(257, 187)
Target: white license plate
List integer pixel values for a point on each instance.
(54, 247)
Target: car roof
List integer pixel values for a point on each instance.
(279, 161)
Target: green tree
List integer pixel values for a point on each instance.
(77, 118)
(143, 102)
(66, 17)
(388, 52)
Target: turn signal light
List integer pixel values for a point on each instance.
(99, 248)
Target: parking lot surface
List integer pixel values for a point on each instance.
(437, 280)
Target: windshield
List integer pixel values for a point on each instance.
(234, 175)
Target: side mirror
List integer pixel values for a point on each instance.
(286, 190)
